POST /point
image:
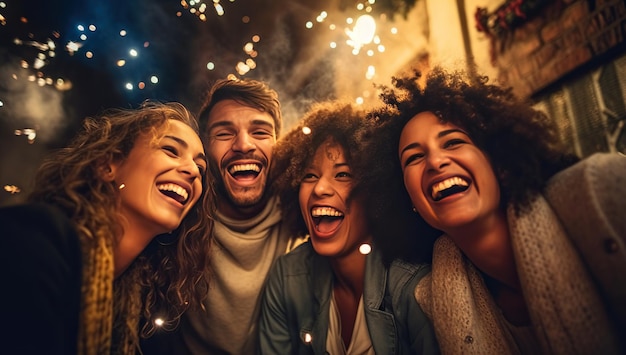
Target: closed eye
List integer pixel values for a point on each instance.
(224, 136)
(171, 150)
(453, 143)
(309, 177)
(262, 134)
(413, 158)
(202, 169)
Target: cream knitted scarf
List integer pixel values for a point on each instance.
(566, 312)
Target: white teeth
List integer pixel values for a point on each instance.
(244, 167)
(446, 184)
(325, 212)
(175, 189)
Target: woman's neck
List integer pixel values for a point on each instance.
(487, 244)
(133, 241)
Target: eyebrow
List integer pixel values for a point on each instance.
(226, 123)
(439, 135)
(185, 145)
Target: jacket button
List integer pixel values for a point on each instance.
(610, 245)
(469, 339)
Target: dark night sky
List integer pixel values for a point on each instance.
(295, 61)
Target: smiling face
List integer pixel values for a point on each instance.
(337, 225)
(449, 179)
(162, 178)
(240, 144)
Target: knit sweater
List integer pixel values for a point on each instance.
(242, 256)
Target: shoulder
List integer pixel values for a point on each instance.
(597, 182)
(298, 261)
(403, 277)
(38, 228)
(34, 218)
(595, 168)
(404, 270)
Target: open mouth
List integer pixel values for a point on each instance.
(244, 171)
(326, 219)
(448, 187)
(175, 192)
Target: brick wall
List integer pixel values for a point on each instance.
(566, 35)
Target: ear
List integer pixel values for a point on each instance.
(107, 171)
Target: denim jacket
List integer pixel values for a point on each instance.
(296, 304)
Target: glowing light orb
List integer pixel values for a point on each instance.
(128, 86)
(219, 9)
(371, 71)
(159, 322)
(306, 130)
(308, 24)
(154, 79)
(210, 65)
(365, 249)
(133, 52)
(72, 46)
(308, 338)
(12, 189)
(363, 31)
(123, 33)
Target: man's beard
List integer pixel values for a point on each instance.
(235, 200)
(238, 200)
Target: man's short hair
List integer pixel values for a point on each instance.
(248, 92)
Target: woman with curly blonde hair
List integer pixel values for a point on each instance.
(116, 230)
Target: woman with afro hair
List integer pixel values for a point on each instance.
(333, 294)
(532, 239)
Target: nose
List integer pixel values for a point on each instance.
(323, 188)
(243, 143)
(190, 168)
(437, 159)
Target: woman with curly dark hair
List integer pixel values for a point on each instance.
(533, 239)
(116, 230)
(333, 294)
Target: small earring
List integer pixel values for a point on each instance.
(414, 209)
(121, 186)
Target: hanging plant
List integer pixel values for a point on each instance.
(507, 16)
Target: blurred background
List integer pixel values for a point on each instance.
(62, 61)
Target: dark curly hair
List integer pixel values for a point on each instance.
(521, 143)
(336, 120)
